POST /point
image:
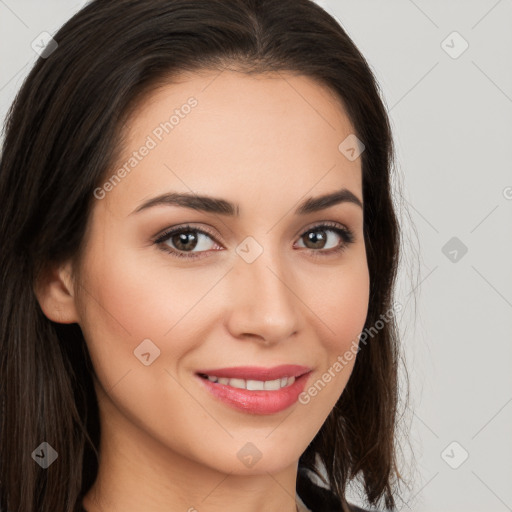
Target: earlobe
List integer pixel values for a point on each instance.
(55, 294)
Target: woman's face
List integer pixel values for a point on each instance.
(259, 285)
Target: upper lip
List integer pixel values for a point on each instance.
(257, 372)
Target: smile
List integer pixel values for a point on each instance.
(252, 385)
(256, 390)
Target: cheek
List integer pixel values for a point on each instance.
(344, 306)
(351, 316)
(130, 296)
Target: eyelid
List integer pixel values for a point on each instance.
(320, 223)
(164, 235)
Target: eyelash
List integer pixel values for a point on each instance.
(344, 233)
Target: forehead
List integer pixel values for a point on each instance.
(239, 136)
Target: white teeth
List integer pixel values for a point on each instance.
(272, 384)
(254, 385)
(237, 383)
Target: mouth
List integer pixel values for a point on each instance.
(251, 385)
(256, 390)
(257, 373)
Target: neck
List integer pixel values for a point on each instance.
(136, 472)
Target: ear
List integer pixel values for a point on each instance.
(55, 294)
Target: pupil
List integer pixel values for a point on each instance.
(183, 238)
(313, 237)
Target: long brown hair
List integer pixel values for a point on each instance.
(61, 138)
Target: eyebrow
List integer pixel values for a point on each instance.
(222, 207)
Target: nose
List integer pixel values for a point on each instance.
(262, 302)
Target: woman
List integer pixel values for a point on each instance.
(255, 369)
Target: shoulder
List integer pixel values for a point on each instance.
(317, 498)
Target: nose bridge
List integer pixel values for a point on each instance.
(264, 303)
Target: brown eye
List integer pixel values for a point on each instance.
(185, 239)
(320, 239)
(190, 242)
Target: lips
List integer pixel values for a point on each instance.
(257, 372)
(256, 390)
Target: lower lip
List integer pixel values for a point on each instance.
(257, 402)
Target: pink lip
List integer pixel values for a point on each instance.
(258, 372)
(261, 401)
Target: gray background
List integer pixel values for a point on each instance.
(451, 113)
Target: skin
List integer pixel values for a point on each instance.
(266, 142)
